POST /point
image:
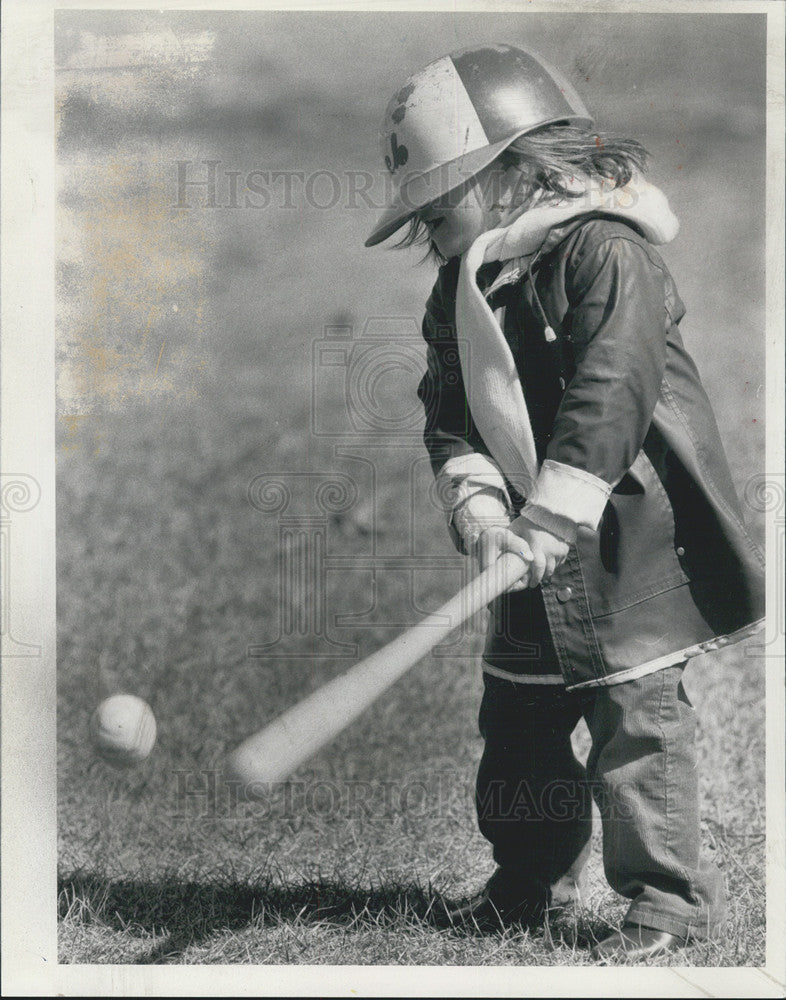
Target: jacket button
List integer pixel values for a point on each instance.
(680, 551)
(564, 594)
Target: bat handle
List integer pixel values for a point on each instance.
(495, 580)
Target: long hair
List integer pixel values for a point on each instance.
(545, 159)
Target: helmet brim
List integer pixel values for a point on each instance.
(418, 191)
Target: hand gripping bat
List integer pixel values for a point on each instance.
(273, 753)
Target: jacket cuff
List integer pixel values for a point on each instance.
(568, 492)
(556, 524)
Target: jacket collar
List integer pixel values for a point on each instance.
(531, 232)
(515, 269)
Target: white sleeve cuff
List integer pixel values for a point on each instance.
(568, 492)
(478, 512)
(463, 476)
(473, 489)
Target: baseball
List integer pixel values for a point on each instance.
(123, 730)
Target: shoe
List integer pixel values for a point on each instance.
(636, 943)
(502, 902)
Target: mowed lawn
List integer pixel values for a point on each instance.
(166, 575)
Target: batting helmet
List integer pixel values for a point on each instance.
(454, 117)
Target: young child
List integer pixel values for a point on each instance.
(571, 425)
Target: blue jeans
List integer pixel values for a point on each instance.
(534, 799)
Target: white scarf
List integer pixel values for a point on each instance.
(494, 392)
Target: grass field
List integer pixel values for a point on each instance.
(186, 345)
(161, 597)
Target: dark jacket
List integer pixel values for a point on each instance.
(671, 567)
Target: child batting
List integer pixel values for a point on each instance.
(569, 422)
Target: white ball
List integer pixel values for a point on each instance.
(123, 730)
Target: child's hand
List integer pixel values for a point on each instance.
(493, 542)
(543, 551)
(549, 551)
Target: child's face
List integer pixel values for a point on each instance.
(456, 219)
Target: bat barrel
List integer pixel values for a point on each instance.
(273, 753)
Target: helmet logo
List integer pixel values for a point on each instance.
(401, 99)
(400, 155)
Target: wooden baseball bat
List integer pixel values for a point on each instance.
(273, 753)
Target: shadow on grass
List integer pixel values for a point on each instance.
(187, 913)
